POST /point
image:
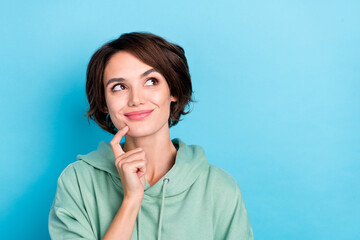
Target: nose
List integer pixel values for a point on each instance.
(135, 98)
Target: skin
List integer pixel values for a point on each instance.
(148, 151)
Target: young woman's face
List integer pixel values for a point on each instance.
(131, 85)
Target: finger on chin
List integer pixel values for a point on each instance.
(115, 142)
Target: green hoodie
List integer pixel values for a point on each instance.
(194, 200)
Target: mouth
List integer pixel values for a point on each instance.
(138, 115)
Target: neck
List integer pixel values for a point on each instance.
(159, 150)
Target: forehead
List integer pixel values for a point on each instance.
(125, 64)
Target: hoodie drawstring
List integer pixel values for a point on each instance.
(165, 180)
(138, 225)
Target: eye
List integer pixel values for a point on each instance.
(117, 87)
(152, 81)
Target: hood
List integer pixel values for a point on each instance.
(190, 162)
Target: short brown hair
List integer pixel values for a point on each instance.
(168, 58)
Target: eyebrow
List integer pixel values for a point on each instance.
(122, 79)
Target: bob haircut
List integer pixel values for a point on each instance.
(168, 58)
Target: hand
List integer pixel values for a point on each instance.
(130, 165)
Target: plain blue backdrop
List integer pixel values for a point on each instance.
(277, 84)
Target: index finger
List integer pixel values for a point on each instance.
(115, 142)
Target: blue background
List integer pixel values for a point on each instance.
(279, 106)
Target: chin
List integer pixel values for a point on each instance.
(145, 129)
(140, 133)
(141, 130)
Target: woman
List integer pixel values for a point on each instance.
(150, 187)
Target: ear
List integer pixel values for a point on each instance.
(173, 99)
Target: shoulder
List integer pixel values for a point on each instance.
(224, 192)
(222, 179)
(225, 189)
(76, 180)
(74, 173)
(73, 169)
(231, 219)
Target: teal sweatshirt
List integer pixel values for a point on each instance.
(194, 200)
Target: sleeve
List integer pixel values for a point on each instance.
(234, 222)
(68, 218)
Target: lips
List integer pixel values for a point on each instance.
(138, 115)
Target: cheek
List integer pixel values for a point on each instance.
(116, 115)
(115, 104)
(164, 102)
(163, 97)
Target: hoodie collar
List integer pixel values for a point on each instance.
(190, 162)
